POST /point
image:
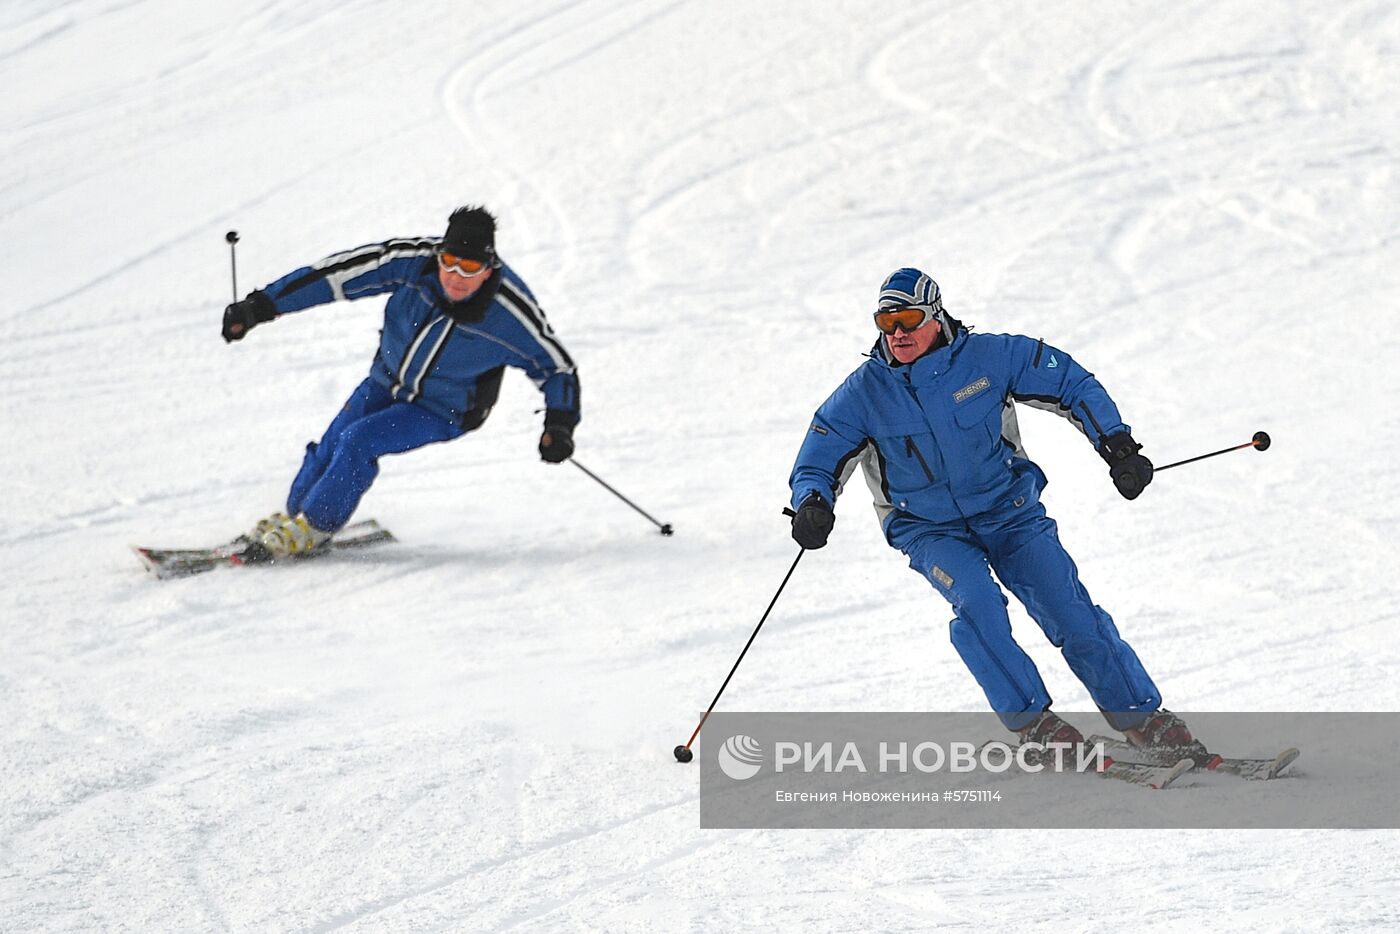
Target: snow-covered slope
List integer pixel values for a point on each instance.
(472, 730)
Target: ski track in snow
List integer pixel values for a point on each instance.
(472, 730)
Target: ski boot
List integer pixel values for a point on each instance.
(264, 526)
(251, 541)
(1045, 729)
(287, 537)
(1166, 731)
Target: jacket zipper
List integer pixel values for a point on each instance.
(912, 450)
(1084, 407)
(909, 441)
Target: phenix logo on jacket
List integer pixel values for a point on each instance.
(938, 438)
(443, 356)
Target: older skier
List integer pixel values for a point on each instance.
(931, 418)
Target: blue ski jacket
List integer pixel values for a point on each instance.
(938, 438)
(429, 352)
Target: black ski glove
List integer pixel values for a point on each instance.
(557, 442)
(813, 522)
(1131, 472)
(242, 317)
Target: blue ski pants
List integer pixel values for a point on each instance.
(1023, 547)
(338, 470)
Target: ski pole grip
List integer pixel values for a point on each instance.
(787, 511)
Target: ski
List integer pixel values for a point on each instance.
(1153, 775)
(168, 563)
(1262, 769)
(1149, 774)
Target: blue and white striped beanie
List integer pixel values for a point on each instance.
(908, 287)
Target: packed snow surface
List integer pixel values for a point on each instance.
(472, 730)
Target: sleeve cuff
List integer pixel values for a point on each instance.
(560, 418)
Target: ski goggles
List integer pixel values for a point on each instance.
(910, 317)
(463, 266)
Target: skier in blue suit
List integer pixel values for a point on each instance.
(931, 419)
(456, 317)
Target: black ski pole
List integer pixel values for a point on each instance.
(665, 527)
(1260, 442)
(683, 753)
(232, 238)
